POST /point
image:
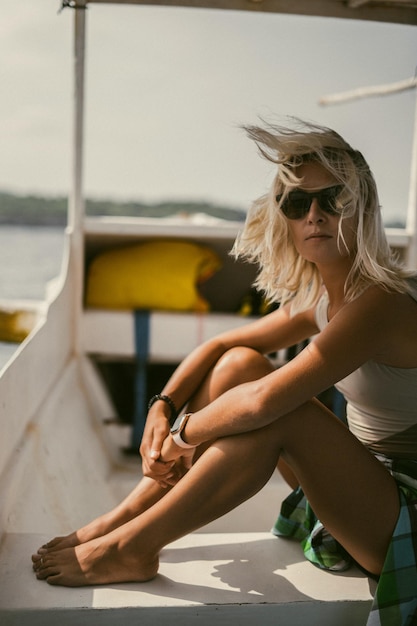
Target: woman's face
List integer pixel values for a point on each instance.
(315, 234)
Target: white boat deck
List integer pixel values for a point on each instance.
(241, 577)
(233, 570)
(230, 572)
(61, 468)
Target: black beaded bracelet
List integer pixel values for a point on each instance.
(170, 403)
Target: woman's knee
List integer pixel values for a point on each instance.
(236, 366)
(239, 365)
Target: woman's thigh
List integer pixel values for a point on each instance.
(350, 491)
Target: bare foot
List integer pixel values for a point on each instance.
(97, 562)
(60, 543)
(97, 528)
(146, 493)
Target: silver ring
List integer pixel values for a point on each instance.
(42, 560)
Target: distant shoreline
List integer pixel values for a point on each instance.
(33, 210)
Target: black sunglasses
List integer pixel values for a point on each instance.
(298, 202)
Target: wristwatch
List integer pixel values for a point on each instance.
(177, 428)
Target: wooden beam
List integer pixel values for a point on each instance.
(395, 11)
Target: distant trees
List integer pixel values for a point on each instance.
(34, 210)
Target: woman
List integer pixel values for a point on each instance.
(320, 244)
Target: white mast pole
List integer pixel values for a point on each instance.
(411, 224)
(76, 201)
(365, 92)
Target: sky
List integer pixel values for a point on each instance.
(169, 88)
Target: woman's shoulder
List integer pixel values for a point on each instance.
(378, 301)
(373, 312)
(391, 316)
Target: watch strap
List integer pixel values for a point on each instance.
(180, 442)
(177, 431)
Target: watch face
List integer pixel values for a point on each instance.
(177, 425)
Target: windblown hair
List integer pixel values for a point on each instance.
(284, 275)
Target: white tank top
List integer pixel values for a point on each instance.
(381, 400)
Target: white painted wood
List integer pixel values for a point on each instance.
(245, 578)
(172, 335)
(412, 202)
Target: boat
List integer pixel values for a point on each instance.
(63, 449)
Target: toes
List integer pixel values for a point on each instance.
(37, 563)
(58, 579)
(36, 557)
(46, 569)
(51, 544)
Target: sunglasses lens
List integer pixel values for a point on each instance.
(327, 199)
(297, 204)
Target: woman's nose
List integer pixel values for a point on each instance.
(315, 213)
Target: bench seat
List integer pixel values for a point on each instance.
(172, 335)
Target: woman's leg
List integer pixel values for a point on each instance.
(234, 367)
(350, 491)
(218, 481)
(143, 496)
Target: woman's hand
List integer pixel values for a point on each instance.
(171, 452)
(183, 459)
(162, 459)
(156, 431)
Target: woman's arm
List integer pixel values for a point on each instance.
(268, 334)
(356, 334)
(180, 387)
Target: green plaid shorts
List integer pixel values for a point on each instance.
(395, 601)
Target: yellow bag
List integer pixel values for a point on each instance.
(160, 275)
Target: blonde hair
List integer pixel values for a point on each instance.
(284, 275)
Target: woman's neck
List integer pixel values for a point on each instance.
(334, 280)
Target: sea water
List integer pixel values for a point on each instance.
(29, 257)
